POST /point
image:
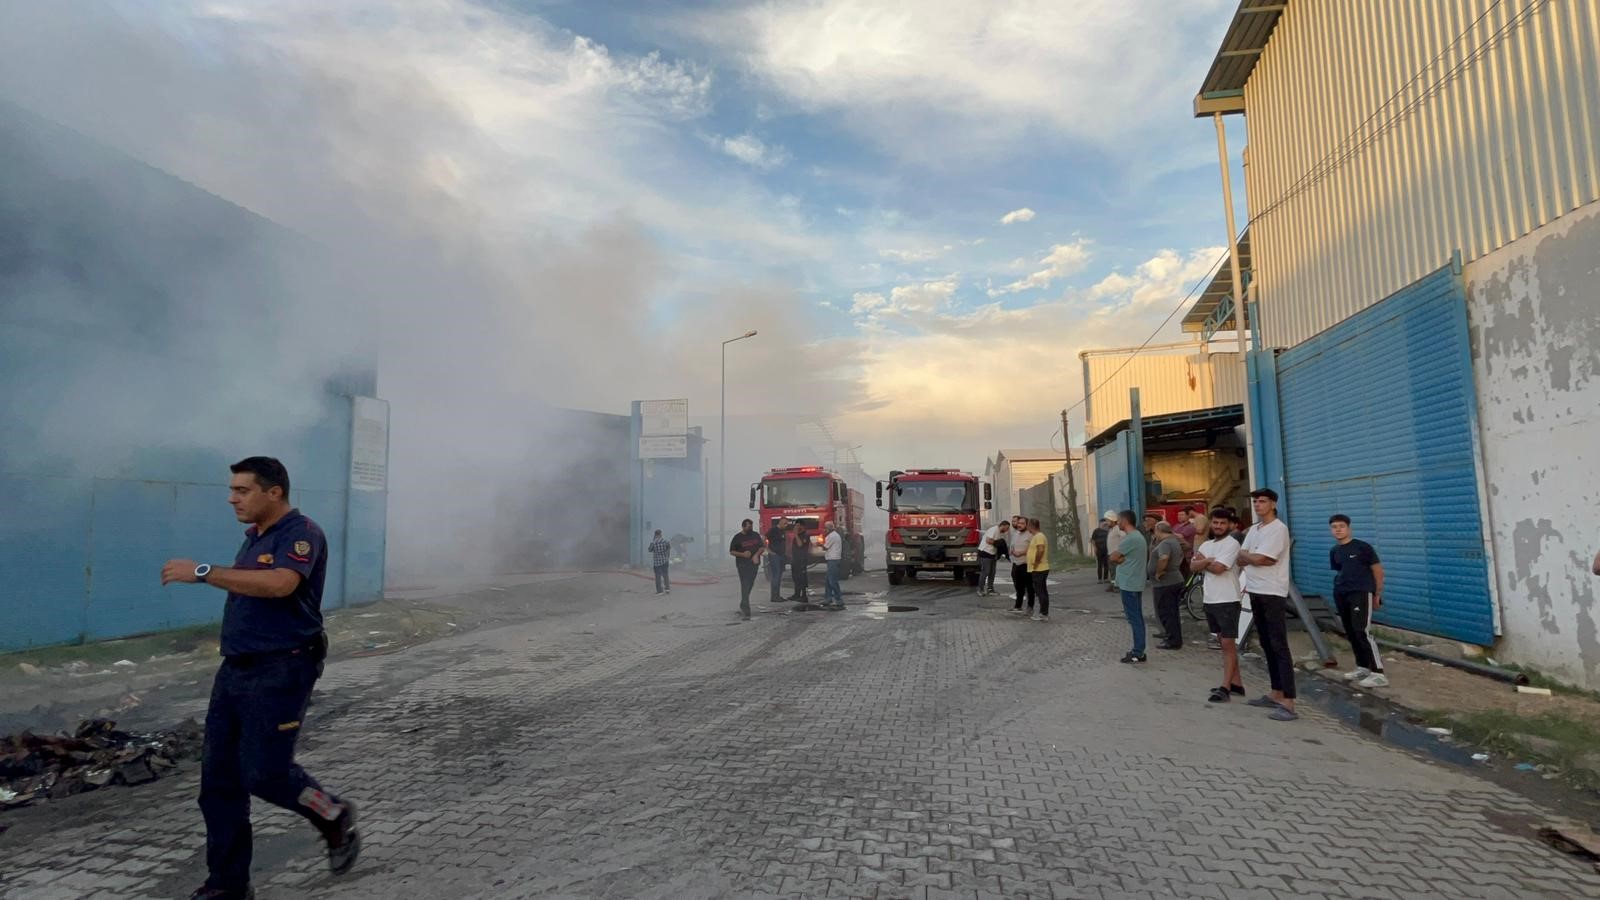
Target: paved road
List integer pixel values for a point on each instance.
(641, 747)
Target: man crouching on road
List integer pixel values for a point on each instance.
(273, 646)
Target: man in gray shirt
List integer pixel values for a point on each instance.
(1166, 555)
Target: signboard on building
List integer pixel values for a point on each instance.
(663, 446)
(369, 444)
(664, 417)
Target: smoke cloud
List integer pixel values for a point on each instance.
(451, 191)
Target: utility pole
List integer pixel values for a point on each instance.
(1074, 527)
(722, 438)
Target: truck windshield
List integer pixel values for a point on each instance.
(786, 493)
(934, 496)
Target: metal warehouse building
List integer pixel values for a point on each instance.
(1423, 296)
(141, 321)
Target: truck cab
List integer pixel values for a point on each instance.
(934, 522)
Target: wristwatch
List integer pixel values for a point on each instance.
(201, 571)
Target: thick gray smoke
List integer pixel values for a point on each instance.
(405, 222)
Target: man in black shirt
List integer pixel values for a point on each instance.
(1357, 591)
(1102, 555)
(799, 559)
(272, 651)
(777, 554)
(746, 549)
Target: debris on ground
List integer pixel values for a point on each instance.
(40, 767)
(1573, 838)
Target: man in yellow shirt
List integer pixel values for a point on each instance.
(1039, 568)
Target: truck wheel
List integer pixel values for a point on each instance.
(972, 578)
(896, 576)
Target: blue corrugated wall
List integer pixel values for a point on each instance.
(1111, 482)
(1378, 423)
(138, 359)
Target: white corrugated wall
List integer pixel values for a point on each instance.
(1495, 137)
(1170, 378)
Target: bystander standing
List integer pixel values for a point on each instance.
(777, 555)
(1130, 557)
(1039, 568)
(799, 560)
(660, 560)
(1265, 560)
(1113, 540)
(1097, 538)
(988, 550)
(1020, 579)
(1217, 559)
(1358, 593)
(833, 559)
(746, 549)
(1166, 580)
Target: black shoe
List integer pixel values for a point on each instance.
(206, 892)
(1169, 645)
(344, 842)
(1131, 657)
(1158, 635)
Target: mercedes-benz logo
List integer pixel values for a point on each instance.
(933, 534)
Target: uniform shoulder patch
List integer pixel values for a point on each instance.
(302, 548)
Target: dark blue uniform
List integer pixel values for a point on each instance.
(272, 650)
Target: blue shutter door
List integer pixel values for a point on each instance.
(1378, 419)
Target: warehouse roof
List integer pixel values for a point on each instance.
(1031, 455)
(1220, 288)
(1248, 33)
(1192, 423)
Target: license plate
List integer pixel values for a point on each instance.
(933, 565)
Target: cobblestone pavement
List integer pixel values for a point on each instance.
(656, 747)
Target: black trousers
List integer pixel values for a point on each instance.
(1355, 611)
(1272, 627)
(1102, 564)
(1023, 583)
(1168, 598)
(802, 581)
(747, 582)
(257, 709)
(1041, 589)
(663, 582)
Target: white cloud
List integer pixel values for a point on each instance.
(866, 302)
(1017, 215)
(922, 297)
(1064, 260)
(752, 151)
(920, 254)
(900, 356)
(932, 78)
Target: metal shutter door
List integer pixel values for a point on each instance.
(1111, 475)
(1379, 422)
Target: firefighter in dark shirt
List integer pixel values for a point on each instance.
(272, 652)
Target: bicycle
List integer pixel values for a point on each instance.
(1194, 596)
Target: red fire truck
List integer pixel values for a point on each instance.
(934, 523)
(815, 496)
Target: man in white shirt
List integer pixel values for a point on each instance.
(1113, 541)
(988, 550)
(1018, 547)
(1265, 560)
(1217, 557)
(833, 557)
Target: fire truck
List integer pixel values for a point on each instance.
(815, 496)
(934, 523)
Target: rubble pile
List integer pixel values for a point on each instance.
(39, 767)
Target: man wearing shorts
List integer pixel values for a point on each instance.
(1218, 558)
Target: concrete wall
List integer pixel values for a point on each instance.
(1534, 310)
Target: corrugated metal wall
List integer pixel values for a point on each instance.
(1170, 378)
(1353, 196)
(1378, 423)
(1111, 475)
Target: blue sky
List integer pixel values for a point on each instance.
(928, 207)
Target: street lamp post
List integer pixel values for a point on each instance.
(722, 438)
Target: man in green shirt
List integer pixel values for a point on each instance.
(1130, 559)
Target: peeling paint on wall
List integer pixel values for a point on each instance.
(1534, 309)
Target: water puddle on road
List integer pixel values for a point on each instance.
(1388, 723)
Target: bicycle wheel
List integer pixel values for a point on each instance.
(1194, 599)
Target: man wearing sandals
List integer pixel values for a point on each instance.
(1217, 557)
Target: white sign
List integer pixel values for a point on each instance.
(664, 447)
(663, 417)
(369, 444)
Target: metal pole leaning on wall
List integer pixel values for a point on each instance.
(1238, 285)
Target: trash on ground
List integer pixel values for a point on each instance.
(125, 663)
(1525, 767)
(29, 669)
(39, 767)
(1480, 757)
(1439, 731)
(1530, 689)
